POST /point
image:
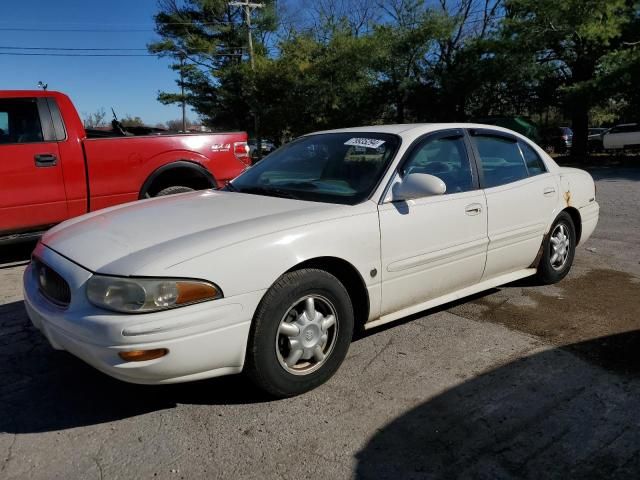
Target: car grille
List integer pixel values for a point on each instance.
(52, 285)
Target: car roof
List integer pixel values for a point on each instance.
(29, 93)
(411, 128)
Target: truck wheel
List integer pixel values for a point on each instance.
(173, 190)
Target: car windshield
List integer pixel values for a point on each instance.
(330, 167)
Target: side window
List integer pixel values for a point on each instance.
(625, 129)
(535, 165)
(19, 121)
(4, 124)
(447, 159)
(501, 160)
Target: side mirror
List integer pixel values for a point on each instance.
(417, 185)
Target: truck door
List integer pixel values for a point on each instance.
(32, 192)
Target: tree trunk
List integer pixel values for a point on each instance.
(400, 109)
(580, 127)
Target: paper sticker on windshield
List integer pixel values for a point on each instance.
(365, 142)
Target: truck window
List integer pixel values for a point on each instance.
(19, 121)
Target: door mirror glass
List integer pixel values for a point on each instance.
(418, 185)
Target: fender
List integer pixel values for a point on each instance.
(196, 167)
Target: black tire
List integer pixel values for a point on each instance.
(173, 190)
(548, 273)
(262, 364)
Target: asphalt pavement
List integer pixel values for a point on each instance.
(522, 381)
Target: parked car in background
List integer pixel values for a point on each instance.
(267, 147)
(52, 169)
(557, 139)
(334, 231)
(596, 131)
(594, 139)
(622, 136)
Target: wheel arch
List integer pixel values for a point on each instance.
(350, 278)
(577, 221)
(577, 224)
(177, 171)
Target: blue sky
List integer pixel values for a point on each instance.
(128, 84)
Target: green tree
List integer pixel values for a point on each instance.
(208, 40)
(573, 38)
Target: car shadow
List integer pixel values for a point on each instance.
(548, 415)
(42, 389)
(15, 253)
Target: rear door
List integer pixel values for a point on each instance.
(32, 192)
(522, 197)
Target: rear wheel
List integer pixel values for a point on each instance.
(173, 190)
(300, 334)
(558, 250)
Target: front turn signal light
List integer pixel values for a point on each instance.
(143, 355)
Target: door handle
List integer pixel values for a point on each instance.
(547, 192)
(473, 209)
(45, 160)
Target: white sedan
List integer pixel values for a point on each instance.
(335, 231)
(622, 136)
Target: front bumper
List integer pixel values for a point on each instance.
(204, 340)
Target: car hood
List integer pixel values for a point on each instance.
(168, 230)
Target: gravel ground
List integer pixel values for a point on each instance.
(519, 382)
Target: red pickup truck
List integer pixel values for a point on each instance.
(52, 169)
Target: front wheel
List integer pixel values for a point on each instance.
(173, 190)
(559, 248)
(301, 333)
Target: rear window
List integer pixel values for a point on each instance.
(501, 160)
(534, 163)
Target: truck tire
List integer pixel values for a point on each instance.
(173, 190)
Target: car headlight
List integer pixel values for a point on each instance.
(142, 295)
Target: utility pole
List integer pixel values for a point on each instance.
(248, 8)
(184, 106)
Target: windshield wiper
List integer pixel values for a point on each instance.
(272, 192)
(305, 184)
(230, 188)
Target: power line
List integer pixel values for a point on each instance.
(150, 28)
(53, 54)
(74, 49)
(77, 49)
(141, 24)
(76, 30)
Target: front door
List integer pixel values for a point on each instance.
(434, 245)
(32, 193)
